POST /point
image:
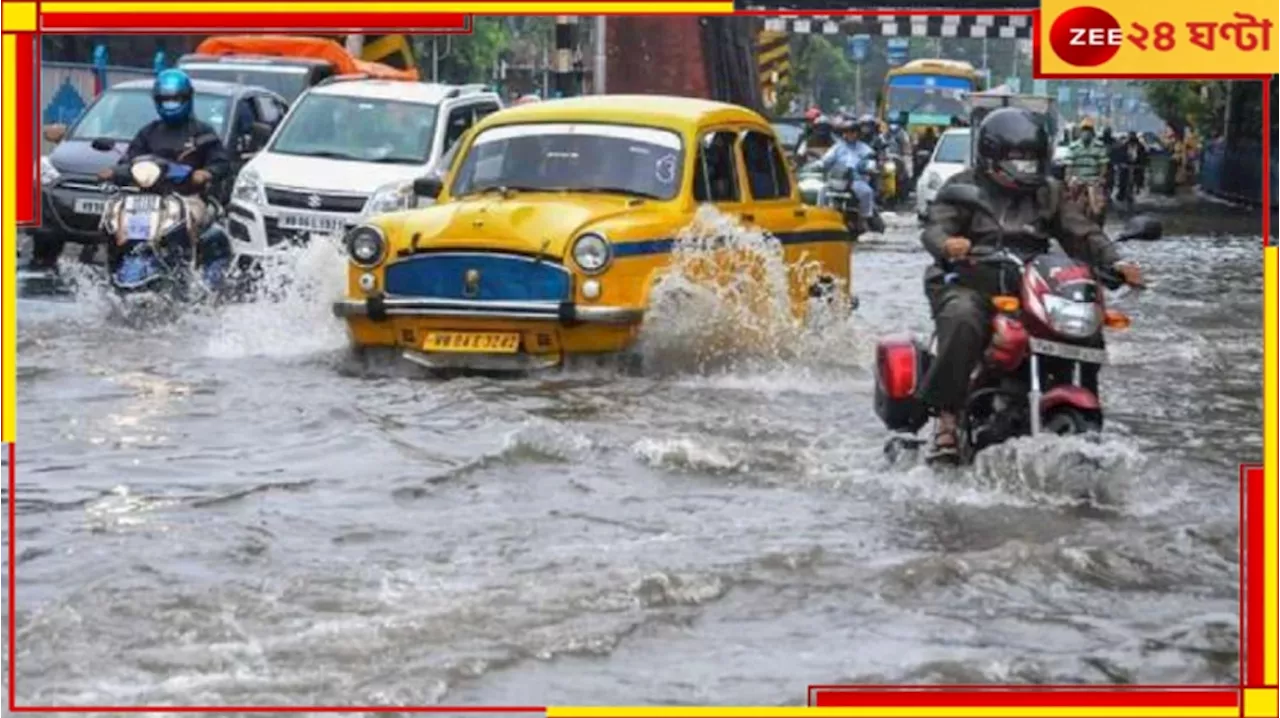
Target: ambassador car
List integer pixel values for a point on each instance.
(557, 219)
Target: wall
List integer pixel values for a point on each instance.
(655, 55)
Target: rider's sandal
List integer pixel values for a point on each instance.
(945, 447)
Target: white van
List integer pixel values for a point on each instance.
(348, 149)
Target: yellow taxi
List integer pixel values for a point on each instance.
(556, 220)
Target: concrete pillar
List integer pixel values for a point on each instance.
(656, 54)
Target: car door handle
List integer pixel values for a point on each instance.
(746, 217)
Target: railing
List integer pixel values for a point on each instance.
(67, 88)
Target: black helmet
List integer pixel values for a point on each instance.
(1014, 149)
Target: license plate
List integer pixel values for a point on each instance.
(472, 343)
(137, 226)
(1087, 355)
(142, 203)
(312, 222)
(84, 205)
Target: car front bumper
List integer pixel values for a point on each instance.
(379, 308)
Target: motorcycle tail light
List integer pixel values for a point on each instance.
(897, 363)
(1116, 320)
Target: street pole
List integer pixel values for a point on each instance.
(565, 26)
(601, 60)
(857, 89)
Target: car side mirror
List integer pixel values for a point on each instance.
(55, 133)
(259, 135)
(429, 187)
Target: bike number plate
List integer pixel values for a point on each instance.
(1087, 355)
(137, 226)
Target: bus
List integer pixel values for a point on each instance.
(930, 93)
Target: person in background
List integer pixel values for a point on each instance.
(1086, 166)
(850, 152)
(820, 139)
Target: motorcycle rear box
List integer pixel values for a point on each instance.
(901, 364)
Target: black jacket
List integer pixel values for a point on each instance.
(194, 143)
(1045, 211)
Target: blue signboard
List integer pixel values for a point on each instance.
(898, 50)
(859, 48)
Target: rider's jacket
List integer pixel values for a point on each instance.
(1087, 162)
(1026, 221)
(193, 143)
(847, 154)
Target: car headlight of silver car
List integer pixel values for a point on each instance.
(592, 253)
(248, 188)
(1077, 320)
(366, 245)
(392, 197)
(934, 182)
(48, 173)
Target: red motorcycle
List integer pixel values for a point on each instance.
(1040, 371)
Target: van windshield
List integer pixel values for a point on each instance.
(288, 81)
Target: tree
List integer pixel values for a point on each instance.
(1197, 104)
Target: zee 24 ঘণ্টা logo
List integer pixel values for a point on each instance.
(1090, 36)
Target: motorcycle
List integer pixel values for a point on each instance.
(150, 248)
(1090, 196)
(836, 192)
(1040, 371)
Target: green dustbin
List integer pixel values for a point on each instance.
(1161, 178)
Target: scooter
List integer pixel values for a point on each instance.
(836, 192)
(148, 232)
(1040, 371)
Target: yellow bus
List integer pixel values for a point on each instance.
(929, 92)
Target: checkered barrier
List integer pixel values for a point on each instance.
(988, 26)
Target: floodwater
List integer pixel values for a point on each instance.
(220, 509)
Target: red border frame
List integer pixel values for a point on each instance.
(1251, 476)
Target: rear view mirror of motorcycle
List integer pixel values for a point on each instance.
(1142, 227)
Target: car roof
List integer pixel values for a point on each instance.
(205, 87)
(403, 90)
(683, 113)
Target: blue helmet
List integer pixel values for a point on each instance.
(173, 96)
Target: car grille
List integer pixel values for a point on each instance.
(502, 277)
(316, 201)
(61, 199)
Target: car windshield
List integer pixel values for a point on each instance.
(119, 114)
(789, 134)
(288, 81)
(360, 129)
(585, 157)
(953, 148)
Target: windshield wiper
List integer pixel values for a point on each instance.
(501, 189)
(614, 190)
(329, 155)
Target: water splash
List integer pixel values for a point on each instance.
(288, 314)
(726, 303)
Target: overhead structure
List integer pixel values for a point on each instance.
(993, 27)
(773, 62)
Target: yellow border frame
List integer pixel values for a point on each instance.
(22, 17)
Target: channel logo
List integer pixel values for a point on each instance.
(1086, 36)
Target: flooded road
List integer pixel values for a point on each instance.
(219, 510)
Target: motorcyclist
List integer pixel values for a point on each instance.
(179, 136)
(821, 139)
(1011, 170)
(850, 151)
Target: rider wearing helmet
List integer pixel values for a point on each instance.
(1011, 172)
(178, 136)
(821, 137)
(850, 151)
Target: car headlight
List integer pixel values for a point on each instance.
(145, 174)
(390, 198)
(934, 182)
(1077, 320)
(592, 253)
(248, 189)
(366, 245)
(48, 173)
